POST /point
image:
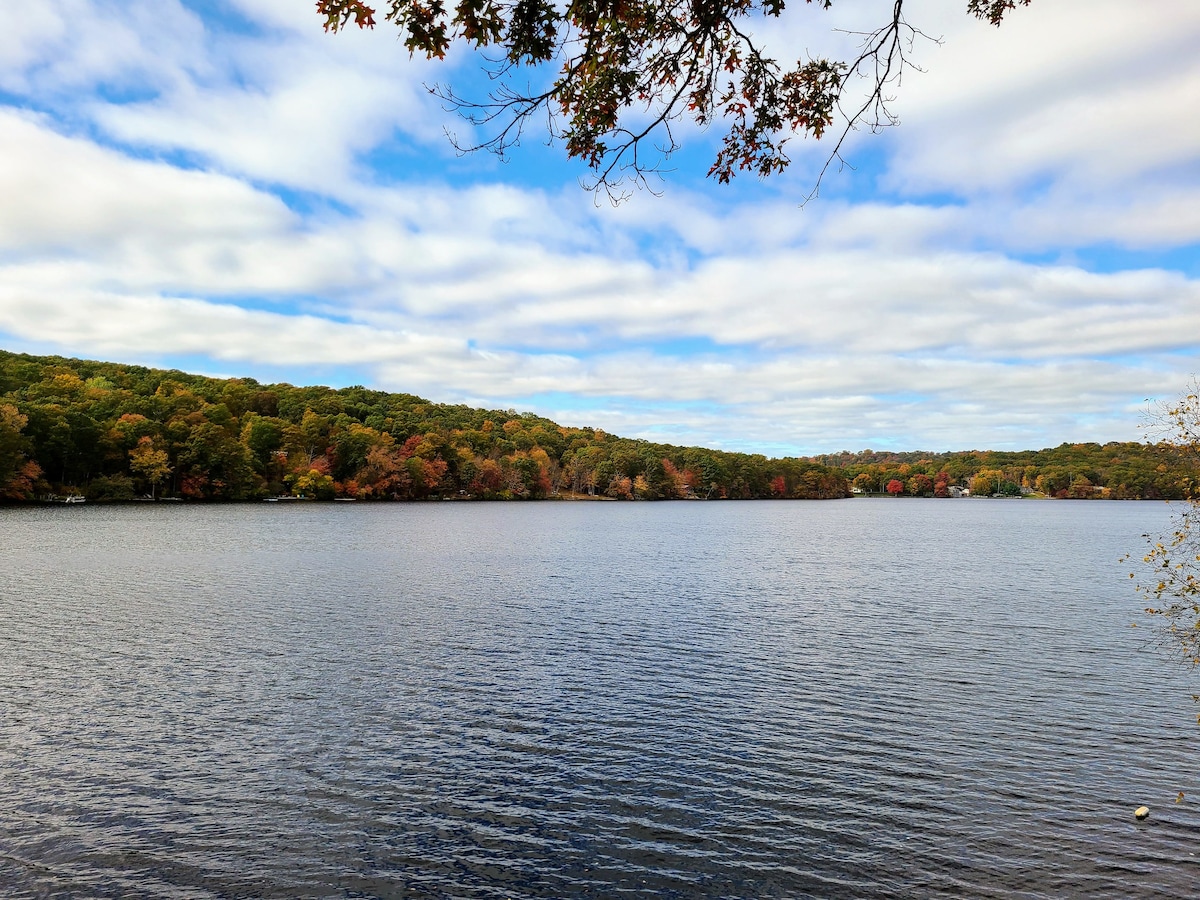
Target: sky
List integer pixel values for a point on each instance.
(220, 186)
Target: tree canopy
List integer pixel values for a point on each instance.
(614, 76)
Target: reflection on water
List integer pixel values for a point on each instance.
(854, 698)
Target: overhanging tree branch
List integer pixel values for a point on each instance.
(654, 63)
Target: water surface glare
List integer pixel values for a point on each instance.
(863, 698)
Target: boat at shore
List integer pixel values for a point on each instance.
(66, 498)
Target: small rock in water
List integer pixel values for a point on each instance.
(1141, 812)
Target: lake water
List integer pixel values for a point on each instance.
(861, 698)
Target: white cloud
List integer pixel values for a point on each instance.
(54, 47)
(63, 193)
(294, 106)
(1090, 92)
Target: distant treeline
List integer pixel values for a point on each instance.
(1116, 471)
(118, 432)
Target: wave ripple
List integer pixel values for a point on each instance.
(851, 699)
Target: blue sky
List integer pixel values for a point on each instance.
(219, 185)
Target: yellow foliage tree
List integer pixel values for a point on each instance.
(1173, 560)
(149, 463)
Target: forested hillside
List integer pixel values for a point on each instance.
(116, 432)
(1116, 471)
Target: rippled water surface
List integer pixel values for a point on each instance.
(855, 698)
